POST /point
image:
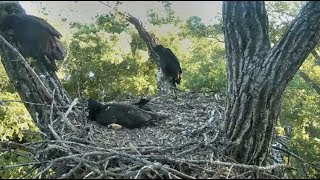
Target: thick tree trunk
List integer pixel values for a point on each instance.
(258, 74)
(39, 88)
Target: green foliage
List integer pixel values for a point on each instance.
(98, 68)
(14, 118)
(112, 23)
(205, 70)
(305, 117)
(281, 13)
(137, 43)
(170, 17)
(5, 84)
(14, 157)
(195, 28)
(300, 112)
(15, 125)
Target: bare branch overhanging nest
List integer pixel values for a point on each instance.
(148, 38)
(164, 85)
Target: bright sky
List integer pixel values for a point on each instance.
(85, 10)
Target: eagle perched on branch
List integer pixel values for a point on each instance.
(35, 38)
(169, 64)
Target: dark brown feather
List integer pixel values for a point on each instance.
(36, 38)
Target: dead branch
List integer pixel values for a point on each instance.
(14, 145)
(65, 119)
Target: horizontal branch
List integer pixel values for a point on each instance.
(14, 145)
(219, 163)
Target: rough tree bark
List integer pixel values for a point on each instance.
(258, 74)
(40, 89)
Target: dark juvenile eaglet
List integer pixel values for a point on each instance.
(169, 64)
(123, 114)
(35, 38)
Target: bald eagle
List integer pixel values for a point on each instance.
(125, 115)
(169, 64)
(35, 38)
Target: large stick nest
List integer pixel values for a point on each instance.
(186, 144)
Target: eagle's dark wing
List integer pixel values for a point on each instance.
(36, 37)
(173, 64)
(57, 49)
(44, 24)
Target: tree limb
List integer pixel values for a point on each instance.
(310, 81)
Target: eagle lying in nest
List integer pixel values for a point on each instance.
(35, 38)
(121, 114)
